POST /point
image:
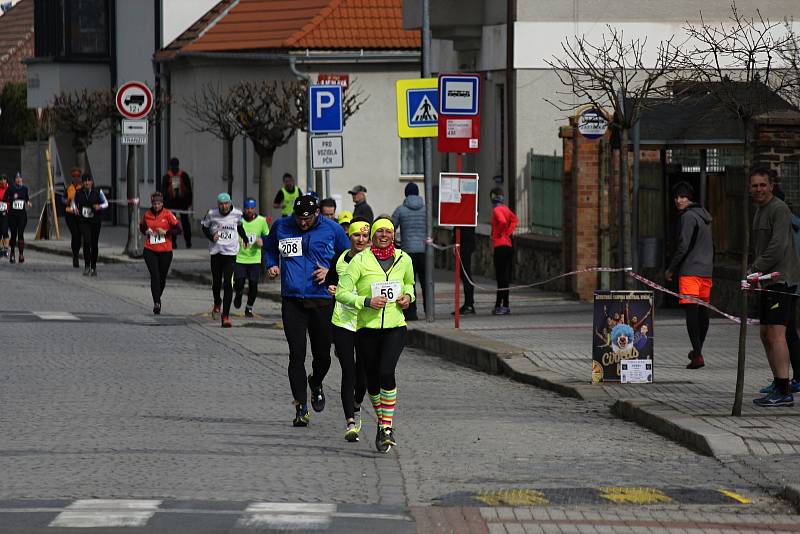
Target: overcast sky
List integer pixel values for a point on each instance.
(180, 14)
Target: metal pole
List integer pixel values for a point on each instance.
(327, 183)
(244, 171)
(427, 153)
(457, 313)
(635, 200)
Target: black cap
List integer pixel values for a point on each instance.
(357, 189)
(305, 206)
(174, 162)
(86, 177)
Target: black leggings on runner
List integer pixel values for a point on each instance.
(90, 232)
(75, 233)
(380, 351)
(354, 380)
(17, 221)
(793, 342)
(222, 278)
(313, 316)
(158, 264)
(697, 326)
(503, 257)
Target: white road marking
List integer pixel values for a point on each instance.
(92, 513)
(291, 508)
(287, 516)
(55, 316)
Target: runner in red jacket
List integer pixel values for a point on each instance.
(160, 227)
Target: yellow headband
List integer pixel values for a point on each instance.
(380, 223)
(358, 227)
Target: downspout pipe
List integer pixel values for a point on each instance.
(309, 171)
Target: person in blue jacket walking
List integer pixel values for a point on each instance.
(301, 249)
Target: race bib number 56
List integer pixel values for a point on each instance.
(390, 290)
(291, 247)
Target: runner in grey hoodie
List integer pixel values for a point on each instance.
(409, 218)
(693, 262)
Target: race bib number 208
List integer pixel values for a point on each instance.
(291, 247)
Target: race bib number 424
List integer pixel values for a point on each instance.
(390, 290)
(291, 247)
(225, 235)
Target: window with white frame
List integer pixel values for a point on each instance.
(411, 161)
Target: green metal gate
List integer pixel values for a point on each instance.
(546, 194)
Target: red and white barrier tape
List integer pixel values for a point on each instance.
(627, 270)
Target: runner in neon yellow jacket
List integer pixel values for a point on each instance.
(383, 280)
(344, 321)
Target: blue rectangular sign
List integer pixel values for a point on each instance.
(421, 107)
(325, 109)
(459, 94)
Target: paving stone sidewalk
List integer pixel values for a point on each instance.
(547, 342)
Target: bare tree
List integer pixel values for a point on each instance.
(87, 114)
(618, 74)
(738, 62)
(213, 110)
(270, 111)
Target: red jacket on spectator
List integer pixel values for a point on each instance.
(503, 224)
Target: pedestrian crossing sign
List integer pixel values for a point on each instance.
(417, 103)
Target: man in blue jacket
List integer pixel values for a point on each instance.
(301, 249)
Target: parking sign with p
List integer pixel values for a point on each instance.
(325, 109)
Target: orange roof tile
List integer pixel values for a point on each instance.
(298, 24)
(16, 41)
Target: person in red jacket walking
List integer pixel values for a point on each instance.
(503, 224)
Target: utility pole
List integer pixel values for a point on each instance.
(430, 304)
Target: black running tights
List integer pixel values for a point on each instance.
(17, 221)
(158, 264)
(697, 325)
(301, 316)
(222, 278)
(90, 231)
(380, 351)
(354, 380)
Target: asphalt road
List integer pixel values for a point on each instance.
(112, 418)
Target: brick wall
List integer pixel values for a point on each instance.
(11, 67)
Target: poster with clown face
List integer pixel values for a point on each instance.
(622, 330)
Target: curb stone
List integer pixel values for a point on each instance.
(791, 494)
(687, 430)
(102, 258)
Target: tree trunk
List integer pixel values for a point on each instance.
(742, 356)
(625, 206)
(264, 181)
(81, 146)
(132, 247)
(227, 164)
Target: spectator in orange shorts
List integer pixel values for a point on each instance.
(693, 262)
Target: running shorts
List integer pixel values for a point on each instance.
(698, 287)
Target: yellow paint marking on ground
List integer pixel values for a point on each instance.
(735, 496)
(634, 495)
(512, 497)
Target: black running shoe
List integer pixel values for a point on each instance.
(86, 271)
(237, 301)
(380, 442)
(75, 263)
(248, 311)
(301, 416)
(317, 396)
(389, 437)
(157, 308)
(12, 258)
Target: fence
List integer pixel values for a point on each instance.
(545, 201)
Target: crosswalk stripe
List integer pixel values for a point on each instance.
(287, 516)
(55, 316)
(93, 513)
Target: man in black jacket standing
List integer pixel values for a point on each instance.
(694, 263)
(362, 209)
(176, 186)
